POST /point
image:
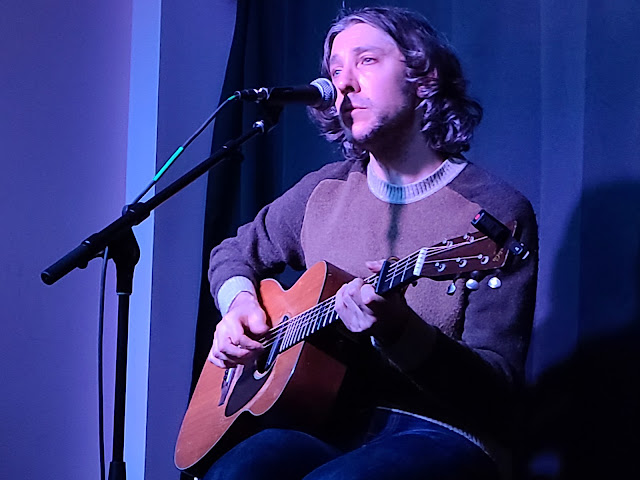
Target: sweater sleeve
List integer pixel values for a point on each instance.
(263, 247)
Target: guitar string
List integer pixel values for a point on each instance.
(320, 307)
(368, 280)
(300, 323)
(305, 320)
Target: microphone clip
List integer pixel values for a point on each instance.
(253, 94)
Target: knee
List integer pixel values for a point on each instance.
(272, 453)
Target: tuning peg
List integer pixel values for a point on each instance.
(472, 284)
(451, 289)
(494, 282)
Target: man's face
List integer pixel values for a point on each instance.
(369, 73)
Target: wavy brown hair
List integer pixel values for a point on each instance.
(450, 115)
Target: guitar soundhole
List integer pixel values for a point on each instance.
(254, 376)
(247, 386)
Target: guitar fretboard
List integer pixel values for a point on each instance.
(293, 330)
(469, 253)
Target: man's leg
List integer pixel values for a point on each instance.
(411, 449)
(273, 453)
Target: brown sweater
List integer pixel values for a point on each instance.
(345, 215)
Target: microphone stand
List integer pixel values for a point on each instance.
(125, 252)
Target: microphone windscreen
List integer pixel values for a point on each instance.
(328, 92)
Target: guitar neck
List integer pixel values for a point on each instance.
(294, 330)
(473, 251)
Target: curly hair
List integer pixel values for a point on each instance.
(450, 115)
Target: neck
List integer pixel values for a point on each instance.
(405, 160)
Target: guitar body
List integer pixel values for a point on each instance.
(294, 384)
(301, 384)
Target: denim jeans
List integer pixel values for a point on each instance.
(397, 446)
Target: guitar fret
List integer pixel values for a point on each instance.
(396, 274)
(319, 323)
(308, 328)
(312, 320)
(285, 340)
(406, 268)
(333, 315)
(392, 281)
(288, 336)
(304, 327)
(296, 332)
(300, 328)
(328, 317)
(296, 329)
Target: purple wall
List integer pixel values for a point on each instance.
(66, 99)
(195, 41)
(64, 85)
(72, 112)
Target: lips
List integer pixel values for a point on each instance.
(347, 109)
(348, 106)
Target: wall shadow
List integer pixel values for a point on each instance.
(582, 414)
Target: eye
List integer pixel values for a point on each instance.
(336, 72)
(368, 60)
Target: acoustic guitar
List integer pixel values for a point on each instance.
(292, 375)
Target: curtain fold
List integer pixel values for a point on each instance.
(560, 85)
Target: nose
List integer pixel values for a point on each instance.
(347, 81)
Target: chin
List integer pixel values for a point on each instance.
(360, 137)
(362, 132)
(366, 136)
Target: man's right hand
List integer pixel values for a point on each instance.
(234, 341)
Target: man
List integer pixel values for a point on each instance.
(441, 363)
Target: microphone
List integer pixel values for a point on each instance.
(319, 94)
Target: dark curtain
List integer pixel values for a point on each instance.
(560, 84)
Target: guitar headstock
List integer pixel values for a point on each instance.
(473, 251)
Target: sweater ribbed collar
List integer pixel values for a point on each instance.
(413, 192)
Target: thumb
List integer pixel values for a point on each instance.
(375, 265)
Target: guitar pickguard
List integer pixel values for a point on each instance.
(245, 389)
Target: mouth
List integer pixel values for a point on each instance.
(348, 106)
(348, 110)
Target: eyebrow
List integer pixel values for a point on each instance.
(358, 51)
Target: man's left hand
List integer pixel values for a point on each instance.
(361, 309)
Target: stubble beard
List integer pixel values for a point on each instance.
(389, 129)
